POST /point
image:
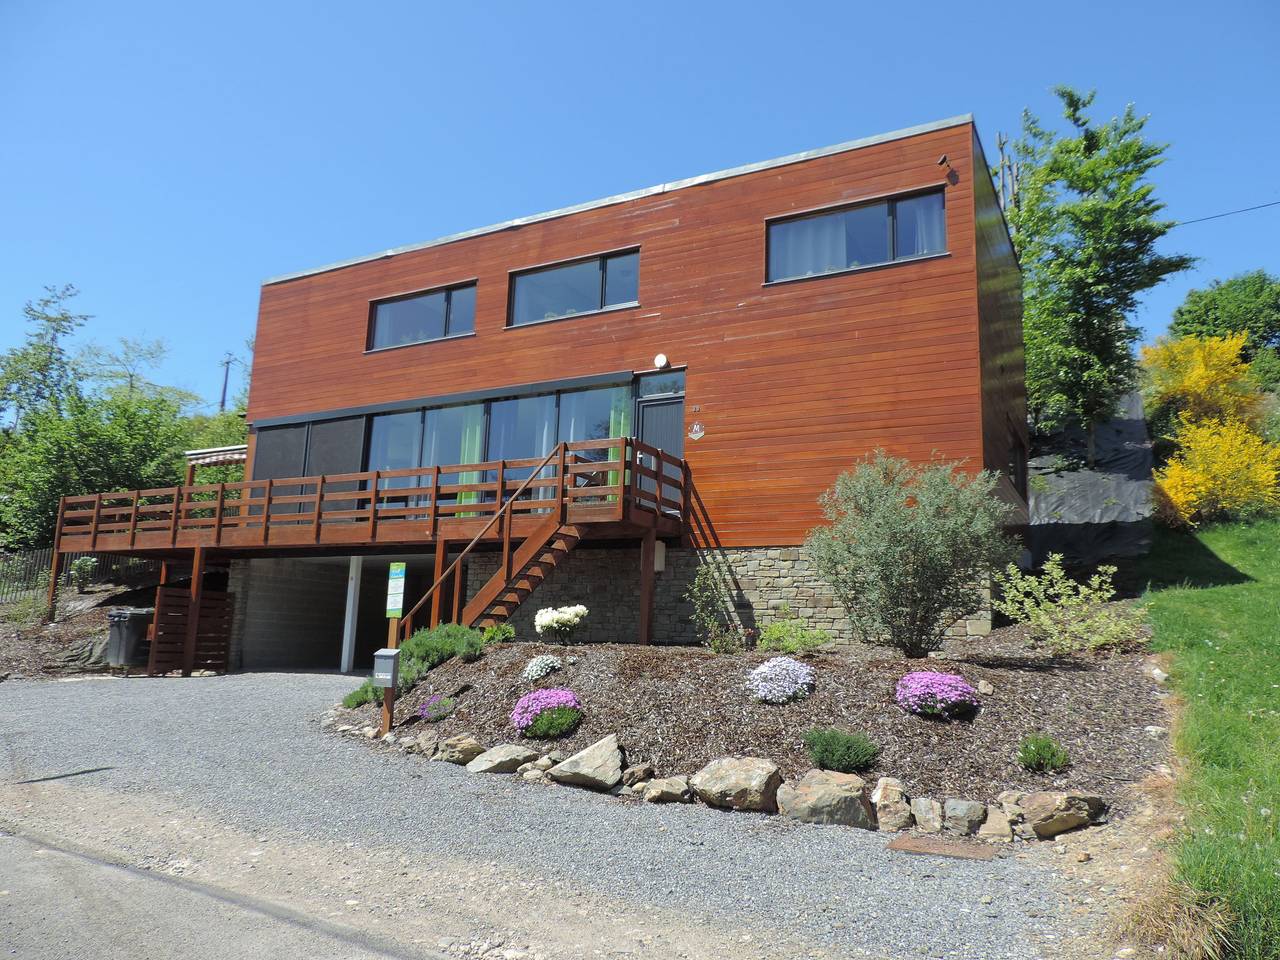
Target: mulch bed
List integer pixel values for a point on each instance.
(681, 707)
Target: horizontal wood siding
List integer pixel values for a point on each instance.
(1004, 399)
(793, 381)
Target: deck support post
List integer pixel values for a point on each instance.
(648, 554)
(55, 574)
(354, 572)
(193, 615)
(442, 555)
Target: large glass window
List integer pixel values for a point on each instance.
(395, 443)
(865, 235)
(572, 288)
(423, 317)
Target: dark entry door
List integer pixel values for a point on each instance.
(661, 425)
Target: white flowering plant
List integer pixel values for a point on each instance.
(541, 666)
(559, 622)
(781, 680)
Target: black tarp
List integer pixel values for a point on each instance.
(1090, 515)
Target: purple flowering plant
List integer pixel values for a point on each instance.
(537, 701)
(436, 708)
(945, 695)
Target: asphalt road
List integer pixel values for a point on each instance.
(56, 905)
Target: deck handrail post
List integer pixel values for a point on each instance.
(435, 502)
(173, 515)
(217, 513)
(561, 506)
(266, 509)
(133, 517)
(97, 513)
(373, 507)
(505, 521)
(315, 520)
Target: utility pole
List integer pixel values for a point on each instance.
(227, 361)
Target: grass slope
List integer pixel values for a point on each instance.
(1215, 605)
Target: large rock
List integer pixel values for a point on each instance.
(963, 817)
(637, 774)
(667, 790)
(1049, 813)
(739, 783)
(599, 767)
(996, 828)
(822, 796)
(892, 805)
(927, 814)
(425, 743)
(461, 749)
(504, 758)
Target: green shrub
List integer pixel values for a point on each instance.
(499, 633)
(908, 548)
(712, 617)
(81, 572)
(788, 634)
(836, 750)
(554, 723)
(1040, 753)
(433, 647)
(365, 693)
(1066, 615)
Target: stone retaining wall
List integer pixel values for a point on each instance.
(760, 581)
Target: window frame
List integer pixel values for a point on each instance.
(891, 201)
(514, 275)
(447, 289)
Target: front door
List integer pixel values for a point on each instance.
(661, 425)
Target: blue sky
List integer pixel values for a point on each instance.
(168, 157)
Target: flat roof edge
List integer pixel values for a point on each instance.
(636, 195)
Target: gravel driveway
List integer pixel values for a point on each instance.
(248, 748)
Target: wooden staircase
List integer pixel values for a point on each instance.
(531, 564)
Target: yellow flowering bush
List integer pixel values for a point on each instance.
(1222, 470)
(1200, 378)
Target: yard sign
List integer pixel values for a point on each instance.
(395, 591)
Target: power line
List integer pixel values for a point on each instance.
(1229, 213)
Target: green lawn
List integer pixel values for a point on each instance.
(1215, 606)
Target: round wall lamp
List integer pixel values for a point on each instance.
(661, 362)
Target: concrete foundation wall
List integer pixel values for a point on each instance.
(761, 580)
(288, 614)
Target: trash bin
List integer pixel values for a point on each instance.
(127, 639)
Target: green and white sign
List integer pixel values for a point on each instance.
(395, 590)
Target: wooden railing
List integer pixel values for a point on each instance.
(597, 481)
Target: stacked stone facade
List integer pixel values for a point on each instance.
(759, 581)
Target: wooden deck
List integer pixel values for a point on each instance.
(613, 487)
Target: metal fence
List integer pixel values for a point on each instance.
(27, 572)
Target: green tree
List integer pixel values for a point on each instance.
(1085, 223)
(1247, 303)
(87, 444)
(41, 370)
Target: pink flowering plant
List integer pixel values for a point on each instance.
(536, 702)
(944, 695)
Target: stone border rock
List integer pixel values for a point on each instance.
(755, 784)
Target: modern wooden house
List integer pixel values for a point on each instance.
(577, 406)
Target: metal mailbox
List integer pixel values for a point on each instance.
(386, 668)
